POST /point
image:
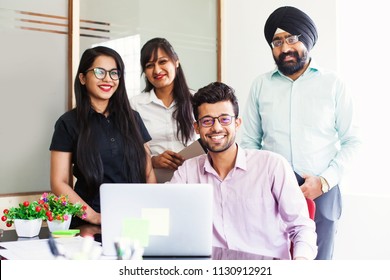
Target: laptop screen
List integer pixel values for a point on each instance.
(168, 219)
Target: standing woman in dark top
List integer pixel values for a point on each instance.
(102, 140)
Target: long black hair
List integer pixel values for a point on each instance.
(181, 91)
(88, 156)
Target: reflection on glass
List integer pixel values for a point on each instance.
(125, 25)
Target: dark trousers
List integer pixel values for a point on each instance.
(328, 212)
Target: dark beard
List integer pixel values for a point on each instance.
(290, 68)
(209, 148)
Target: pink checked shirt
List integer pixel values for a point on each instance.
(258, 207)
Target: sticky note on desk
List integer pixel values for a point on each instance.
(136, 229)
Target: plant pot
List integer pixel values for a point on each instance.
(59, 225)
(27, 228)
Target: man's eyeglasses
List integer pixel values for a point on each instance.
(224, 120)
(101, 73)
(290, 40)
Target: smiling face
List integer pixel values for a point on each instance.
(100, 91)
(217, 138)
(161, 71)
(290, 59)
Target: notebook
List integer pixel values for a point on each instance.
(178, 217)
(193, 150)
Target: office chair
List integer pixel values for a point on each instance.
(311, 206)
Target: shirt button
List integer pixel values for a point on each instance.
(112, 139)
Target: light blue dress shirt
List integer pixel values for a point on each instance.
(309, 121)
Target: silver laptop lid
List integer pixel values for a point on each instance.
(179, 216)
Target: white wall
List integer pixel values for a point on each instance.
(364, 63)
(365, 228)
(246, 53)
(363, 232)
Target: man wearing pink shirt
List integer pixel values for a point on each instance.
(258, 207)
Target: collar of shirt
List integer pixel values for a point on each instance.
(92, 112)
(151, 97)
(240, 162)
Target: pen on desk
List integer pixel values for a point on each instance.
(119, 250)
(53, 247)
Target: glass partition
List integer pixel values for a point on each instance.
(36, 59)
(34, 89)
(125, 25)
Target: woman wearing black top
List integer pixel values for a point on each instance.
(102, 140)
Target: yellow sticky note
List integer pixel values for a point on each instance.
(158, 220)
(136, 229)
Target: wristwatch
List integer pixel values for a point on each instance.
(324, 185)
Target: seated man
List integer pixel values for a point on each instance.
(258, 206)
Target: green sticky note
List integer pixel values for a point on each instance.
(136, 229)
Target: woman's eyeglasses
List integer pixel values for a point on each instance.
(101, 73)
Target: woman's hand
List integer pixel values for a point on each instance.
(168, 160)
(89, 230)
(93, 217)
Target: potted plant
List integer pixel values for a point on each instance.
(60, 210)
(57, 210)
(27, 218)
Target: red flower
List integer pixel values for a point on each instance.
(4, 218)
(8, 224)
(26, 210)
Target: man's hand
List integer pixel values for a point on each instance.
(312, 187)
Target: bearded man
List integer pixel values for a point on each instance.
(304, 113)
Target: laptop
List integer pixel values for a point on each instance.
(178, 217)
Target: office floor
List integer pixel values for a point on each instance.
(364, 228)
